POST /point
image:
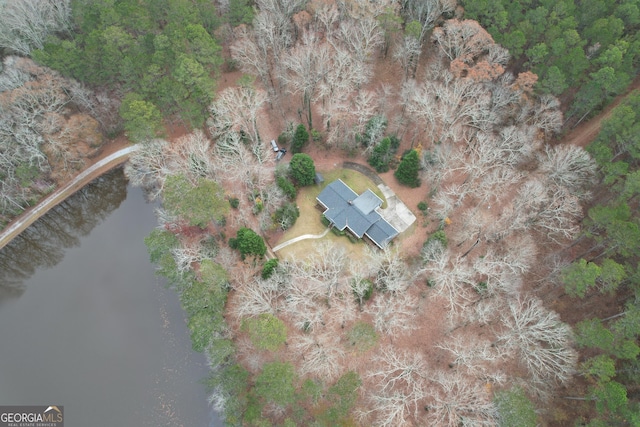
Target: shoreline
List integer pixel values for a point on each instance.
(29, 216)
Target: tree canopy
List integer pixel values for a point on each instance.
(160, 49)
(142, 119)
(248, 242)
(198, 204)
(302, 169)
(592, 45)
(408, 169)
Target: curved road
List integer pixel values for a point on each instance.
(86, 176)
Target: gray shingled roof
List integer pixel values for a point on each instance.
(345, 209)
(381, 233)
(367, 202)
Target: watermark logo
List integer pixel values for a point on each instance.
(32, 416)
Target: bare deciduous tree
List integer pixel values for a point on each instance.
(187, 253)
(236, 110)
(393, 314)
(327, 16)
(472, 355)
(407, 54)
(453, 280)
(33, 114)
(148, 167)
(400, 378)
(547, 115)
(25, 24)
(253, 59)
(326, 266)
(548, 208)
(426, 12)
(460, 401)
(307, 64)
(540, 340)
(258, 296)
(502, 270)
(463, 40)
(362, 37)
(392, 274)
(570, 167)
(447, 105)
(322, 354)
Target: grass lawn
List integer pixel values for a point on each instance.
(310, 222)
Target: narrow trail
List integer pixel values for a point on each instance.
(586, 132)
(28, 217)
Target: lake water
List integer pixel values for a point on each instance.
(85, 323)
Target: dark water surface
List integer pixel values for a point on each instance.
(85, 323)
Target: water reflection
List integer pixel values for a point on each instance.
(98, 332)
(43, 244)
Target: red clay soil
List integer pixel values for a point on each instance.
(587, 131)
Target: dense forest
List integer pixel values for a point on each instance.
(585, 51)
(518, 306)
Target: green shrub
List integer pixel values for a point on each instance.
(338, 232)
(302, 169)
(287, 187)
(142, 119)
(342, 396)
(361, 337)
(409, 169)
(373, 131)
(248, 242)
(26, 174)
(316, 136)
(381, 155)
(423, 207)
(287, 215)
(275, 383)
(160, 243)
(300, 139)
(283, 139)
(395, 142)
(232, 381)
(440, 237)
(312, 390)
(515, 409)
(269, 268)
(253, 413)
(198, 204)
(234, 202)
(363, 289)
(481, 288)
(258, 206)
(239, 12)
(266, 331)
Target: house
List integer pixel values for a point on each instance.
(359, 214)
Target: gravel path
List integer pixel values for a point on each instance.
(92, 172)
(303, 237)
